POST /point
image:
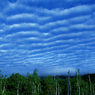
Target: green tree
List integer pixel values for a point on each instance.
(90, 84)
(48, 85)
(74, 86)
(36, 82)
(84, 87)
(2, 84)
(58, 83)
(15, 84)
(1, 76)
(68, 83)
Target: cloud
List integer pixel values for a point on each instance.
(59, 70)
(41, 34)
(73, 11)
(25, 16)
(23, 33)
(3, 51)
(23, 25)
(55, 3)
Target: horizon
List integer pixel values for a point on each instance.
(53, 75)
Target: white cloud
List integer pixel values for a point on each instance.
(76, 9)
(2, 45)
(32, 38)
(64, 35)
(79, 26)
(2, 51)
(46, 49)
(20, 25)
(61, 70)
(23, 25)
(21, 33)
(78, 19)
(27, 16)
(67, 22)
(22, 16)
(1, 30)
(51, 39)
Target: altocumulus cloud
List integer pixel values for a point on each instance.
(53, 36)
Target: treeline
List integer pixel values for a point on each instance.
(32, 84)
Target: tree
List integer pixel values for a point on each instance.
(78, 83)
(15, 84)
(0, 82)
(48, 85)
(90, 84)
(68, 82)
(3, 89)
(84, 88)
(70, 85)
(3, 83)
(36, 82)
(33, 85)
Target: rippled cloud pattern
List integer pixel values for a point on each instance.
(53, 36)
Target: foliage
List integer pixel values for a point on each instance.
(33, 85)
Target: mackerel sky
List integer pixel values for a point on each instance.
(53, 36)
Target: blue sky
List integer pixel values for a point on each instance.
(53, 36)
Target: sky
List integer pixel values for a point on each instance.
(54, 36)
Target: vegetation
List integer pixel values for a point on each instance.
(32, 84)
